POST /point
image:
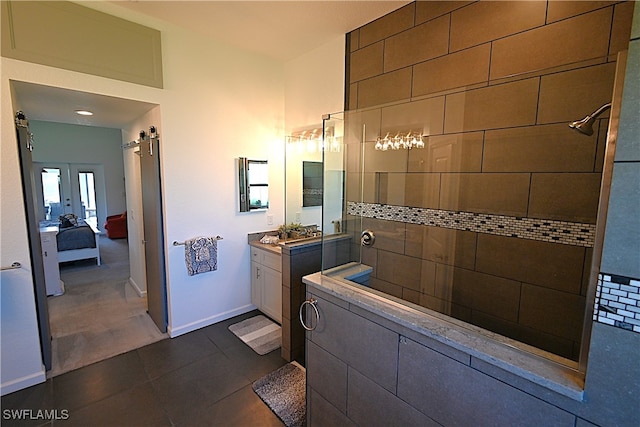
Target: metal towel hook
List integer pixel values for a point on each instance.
(313, 303)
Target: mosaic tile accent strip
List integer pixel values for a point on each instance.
(618, 302)
(563, 232)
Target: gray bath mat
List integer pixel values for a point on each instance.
(284, 391)
(259, 333)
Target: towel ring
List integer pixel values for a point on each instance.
(314, 304)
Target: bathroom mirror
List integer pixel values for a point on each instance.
(311, 183)
(253, 184)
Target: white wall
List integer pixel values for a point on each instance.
(217, 104)
(314, 86)
(66, 143)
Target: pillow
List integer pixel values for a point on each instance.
(68, 218)
(65, 223)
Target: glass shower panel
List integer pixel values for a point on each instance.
(486, 218)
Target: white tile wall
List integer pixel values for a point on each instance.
(618, 302)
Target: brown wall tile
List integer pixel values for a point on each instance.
(367, 191)
(552, 45)
(390, 236)
(384, 161)
(352, 99)
(547, 264)
(490, 294)
(449, 246)
(489, 20)
(413, 240)
(565, 196)
(458, 152)
(390, 87)
(354, 122)
(561, 346)
(428, 277)
(558, 10)
(393, 23)
(621, 31)
(467, 67)
(600, 129)
(557, 313)
(421, 190)
(496, 193)
(426, 116)
(548, 148)
(571, 95)
(505, 105)
(395, 189)
(366, 62)
(418, 44)
(354, 40)
(435, 304)
(402, 270)
(386, 287)
(427, 10)
(411, 296)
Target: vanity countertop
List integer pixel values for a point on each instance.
(277, 249)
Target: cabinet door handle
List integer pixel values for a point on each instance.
(257, 273)
(313, 303)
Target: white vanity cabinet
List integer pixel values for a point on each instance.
(266, 282)
(52, 281)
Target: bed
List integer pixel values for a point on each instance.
(78, 242)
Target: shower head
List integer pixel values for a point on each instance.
(585, 126)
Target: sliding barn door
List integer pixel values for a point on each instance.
(153, 231)
(33, 229)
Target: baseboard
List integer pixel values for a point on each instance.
(137, 288)
(24, 382)
(190, 327)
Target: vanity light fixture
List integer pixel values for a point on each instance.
(84, 112)
(400, 141)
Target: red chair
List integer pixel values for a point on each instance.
(116, 226)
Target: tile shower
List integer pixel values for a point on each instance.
(493, 222)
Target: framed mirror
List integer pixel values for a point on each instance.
(253, 184)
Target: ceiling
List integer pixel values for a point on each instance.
(281, 30)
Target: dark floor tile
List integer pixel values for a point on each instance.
(167, 355)
(252, 365)
(134, 407)
(20, 408)
(95, 382)
(220, 334)
(198, 385)
(242, 408)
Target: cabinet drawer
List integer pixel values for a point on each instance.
(266, 258)
(272, 261)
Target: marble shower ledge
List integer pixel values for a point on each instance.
(491, 348)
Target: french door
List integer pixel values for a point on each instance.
(71, 188)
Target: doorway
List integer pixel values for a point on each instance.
(77, 188)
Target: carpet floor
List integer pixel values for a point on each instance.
(100, 315)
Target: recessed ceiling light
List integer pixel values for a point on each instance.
(84, 112)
